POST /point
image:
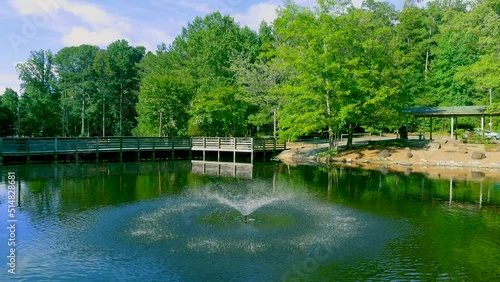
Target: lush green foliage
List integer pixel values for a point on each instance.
(9, 102)
(329, 69)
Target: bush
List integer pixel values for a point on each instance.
(329, 153)
(480, 139)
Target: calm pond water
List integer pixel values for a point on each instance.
(172, 222)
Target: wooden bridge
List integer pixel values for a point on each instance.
(131, 148)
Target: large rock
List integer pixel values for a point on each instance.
(383, 154)
(434, 146)
(478, 155)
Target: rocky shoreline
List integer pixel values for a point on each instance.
(443, 158)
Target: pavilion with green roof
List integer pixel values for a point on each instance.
(451, 112)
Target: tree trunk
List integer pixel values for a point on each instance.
(121, 108)
(82, 131)
(331, 138)
(427, 54)
(103, 119)
(350, 137)
(328, 116)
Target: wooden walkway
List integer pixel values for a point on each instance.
(137, 148)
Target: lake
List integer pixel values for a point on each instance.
(184, 221)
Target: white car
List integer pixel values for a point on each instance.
(492, 135)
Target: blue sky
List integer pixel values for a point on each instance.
(27, 25)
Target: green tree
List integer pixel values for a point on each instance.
(76, 80)
(40, 99)
(455, 48)
(483, 74)
(220, 112)
(167, 97)
(417, 33)
(340, 67)
(259, 80)
(205, 48)
(9, 102)
(103, 76)
(121, 65)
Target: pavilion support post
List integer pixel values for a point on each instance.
(430, 130)
(482, 123)
(423, 129)
(452, 127)
(491, 120)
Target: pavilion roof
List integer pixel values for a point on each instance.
(448, 111)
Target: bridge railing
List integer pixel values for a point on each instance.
(222, 143)
(268, 144)
(23, 146)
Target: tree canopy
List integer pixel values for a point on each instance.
(326, 69)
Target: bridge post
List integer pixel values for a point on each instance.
(190, 141)
(138, 148)
(235, 147)
(55, 149)
(154, 151)
(121, 149)
(218, 149)
(76, 149)
(28, 150)
(204, 147)
(97, 149)
(1, 150)
(252, 150)
(264, 141)
(173, 148)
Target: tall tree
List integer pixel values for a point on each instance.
(40, 99)
(483, 73)
(9, 102)
(340, 67)
(205, 48)
(220, 112)
(122, 64)
(74, 67)
(163, 104)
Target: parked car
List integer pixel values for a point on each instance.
(492, 135)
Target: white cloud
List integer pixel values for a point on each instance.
(199, 7)
(256, 14)
(88, 23)
(308, 3)
(93, 15)
(31, 7)
(154, 37)
(9, 80)
(79, 35)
